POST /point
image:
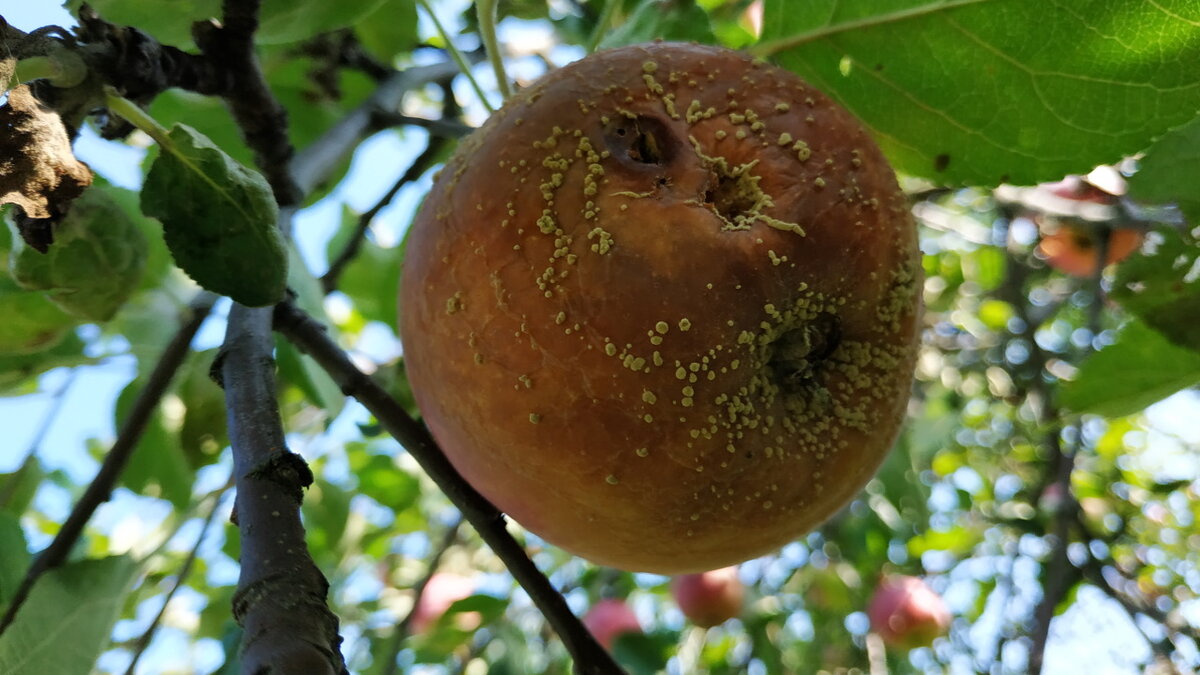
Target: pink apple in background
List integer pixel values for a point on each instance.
(907, 613)
(709, 598)
(610, 618)
(444, 589)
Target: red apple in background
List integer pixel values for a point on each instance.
(907, 613)
(709, 598)
(444, 589)
(609, 619)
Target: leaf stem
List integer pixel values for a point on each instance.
(486, 11)
(772, 47)
(463, 66)
(130, 112)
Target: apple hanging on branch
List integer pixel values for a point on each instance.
(661, 308)
(710, 598)
(907, 613)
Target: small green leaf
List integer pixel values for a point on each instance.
(1170, 171)
(31, 322)
(14, 555)
(1161, 285)
(390, 30)
(203, 433)
(95, 262)
(1142, 367)
(299, 370)
(386, 483)
(372, 279)
(293, 20)
(18, 488)
(65, 623)
(677, 20)
(169, 21)
(219, 219)
(158, 467)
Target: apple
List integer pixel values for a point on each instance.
(608, 619)
(907, 613)
(444, 589)
(661, 309)
(1075, 250)
(710, 598)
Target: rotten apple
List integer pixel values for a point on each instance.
(661, 309)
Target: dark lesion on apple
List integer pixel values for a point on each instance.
(798, 354)
(641, 141)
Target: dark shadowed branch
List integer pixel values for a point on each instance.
(101, 487)
(311, 337)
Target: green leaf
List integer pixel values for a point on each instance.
(385, 482)
(1161, 285)
(389, 31)
(203, 432)
(1140, 368)
(989, 91)
(301, 371)
(677, 20)
(169, 21)
(95, 262)
(219, 219)
(644, 654)
(1170, 171)
(17, 489)
(326, 509)
(158, 467)
(65, 624)
(18, 372)
(293, 20)
(31, 322)
(14, 556)
(372, 279)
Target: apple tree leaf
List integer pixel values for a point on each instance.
(987, 91)
(219, 219)
(1142, 367)
(94, 263)
(65, 623)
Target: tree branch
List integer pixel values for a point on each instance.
(308, 335)
(281, 597)
(101, 487)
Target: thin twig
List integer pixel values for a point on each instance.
(485, 10)
(404, 626)
(181, 576)
(311, 337)
(101, 487)
(418, 167)
(464, 66)
(440, 127)
(314, 164)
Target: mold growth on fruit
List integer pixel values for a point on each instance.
(734, 194)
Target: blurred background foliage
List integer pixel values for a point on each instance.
(1048, 467)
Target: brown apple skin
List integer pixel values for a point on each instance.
(661, 308)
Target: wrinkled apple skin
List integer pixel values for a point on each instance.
(661, 308)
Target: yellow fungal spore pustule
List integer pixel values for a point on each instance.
(709, 271)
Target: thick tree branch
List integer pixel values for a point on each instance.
(310, 336)
(101, 487)
(281, 597)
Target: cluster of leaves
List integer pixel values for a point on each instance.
(1029, 484)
